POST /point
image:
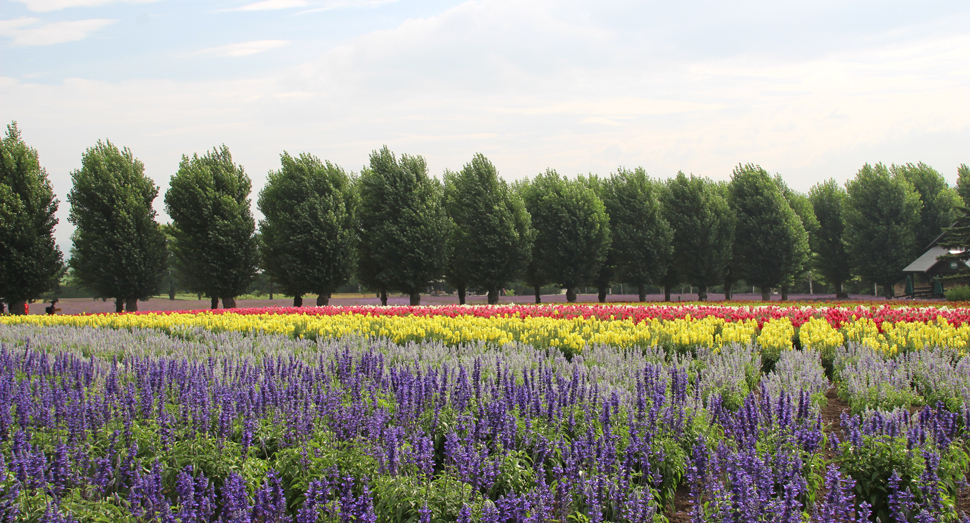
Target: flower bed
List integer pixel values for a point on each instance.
(195, 423)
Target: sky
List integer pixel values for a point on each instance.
(808, 90)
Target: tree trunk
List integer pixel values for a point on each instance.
(492, 295)
(461, 294)
(667, 289)
(766, 294)
(213, 302)
(171, 292)
(384, 297)
(702, 293)
(538, 297)
(602, 294)
(571, 294)
(727, 291)
(323, 300)
(784, 292)
(642, 292)
(840, 293)
(131, 304)
(229, 302)
(199, 296)
(889, 290)
(298, 301)
(119, 305)
(271, 289)
(1, 307)
(18, 308)
(415, 298)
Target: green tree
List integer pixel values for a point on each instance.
(830, 259)
(215, 245)
(806, 213)
(572, 231)
(119, 249)
(32, 263)
(642, 238)
(771, 244)
(963, 183)
(306, 238)
(491, 237)
(402, 226)
(881, 217)
(703, 231)
(940, 202)
(606, 276)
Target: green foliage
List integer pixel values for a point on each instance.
(940, 202)
(963, 183)
(572, 231)
(703, 231)
(402, 226)
(873, 463)
(771, 244)
(831, 260)
(215, 245)
(806, 214)
(958, 293)
(882, 213)
(119, 249)
(490, 241)
(306, 238)
(31, 261)
(642, 238)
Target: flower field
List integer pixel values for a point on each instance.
(567, 413)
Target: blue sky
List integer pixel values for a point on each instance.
(810, 90)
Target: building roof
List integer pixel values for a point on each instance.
(927, 260)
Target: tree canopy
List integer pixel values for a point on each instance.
(829, 201)
(32, 262)
(703, 229)
(215, 244)
(881, 216)
(119, 249)
(963, 183)
(491, 235)
(572, 231)
(939, 202)
(771, 244)
(642, 237)
(402, 226)
(306, 238)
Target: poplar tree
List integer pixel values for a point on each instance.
(31, 260)
(642, 237)
(940, 202)
(881, 216)
(119, 249)
(215, 244)
(490, 241)
(702, 227)
(572, 232)
(829, 201)
(402, 226)
(306, 238)
(771, 244)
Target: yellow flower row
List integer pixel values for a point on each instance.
(570, 335)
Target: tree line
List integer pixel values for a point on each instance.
(396, 228)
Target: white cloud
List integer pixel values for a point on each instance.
(43, 6)
(25, 32)
(244, 48)
(268, 5)
(272, 5)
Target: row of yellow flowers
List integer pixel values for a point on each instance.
(570, 335)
